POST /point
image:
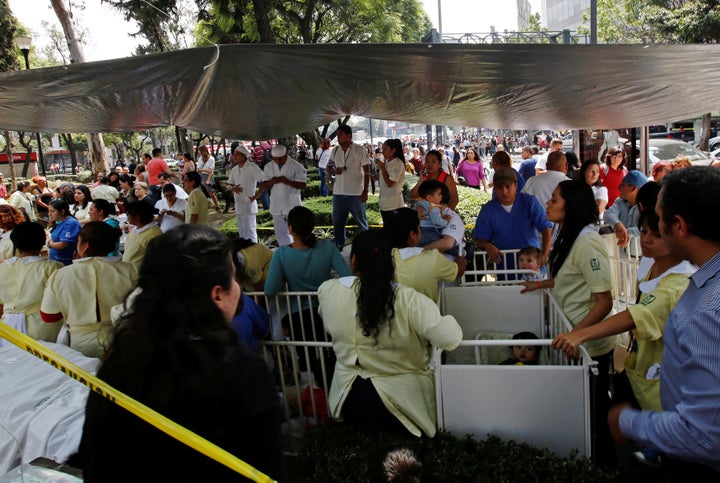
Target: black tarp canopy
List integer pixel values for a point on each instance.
(260, 91)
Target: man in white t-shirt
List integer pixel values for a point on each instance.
(323, 157)
(350, 164)
(243, 181)
(287, 178)
(541, 166)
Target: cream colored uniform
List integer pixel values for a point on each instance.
(137, 241)
(21, 291)
(81, 291)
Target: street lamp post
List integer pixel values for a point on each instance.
(24, 43)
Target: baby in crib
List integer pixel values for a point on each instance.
(529, 258)
(523, 354)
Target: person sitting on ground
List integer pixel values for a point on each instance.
(415, 267)
(381, 332)
(175, 352)
(530, 258)
(171, 209)
(523, 355)
(141, 215)
(83, 293)
(23, 280)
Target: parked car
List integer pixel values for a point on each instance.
(714, 143)
(669, 149)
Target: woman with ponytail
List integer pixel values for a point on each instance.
(580, 283)
(380, 333)
(301, 267)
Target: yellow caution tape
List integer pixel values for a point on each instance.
(140, 410)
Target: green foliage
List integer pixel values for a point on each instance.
(340, 452)
(8, 27)
(656, 21)
(313, 21)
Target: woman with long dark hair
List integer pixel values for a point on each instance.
(432, 170)
(175, 352)
(613, 173)
(380, 333)
(581, 284)
(590, 173)
(391, 170)
(83, 200)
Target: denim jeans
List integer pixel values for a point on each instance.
(323, 186)
(344, 205)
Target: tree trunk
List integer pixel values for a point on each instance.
(706, 128)
(262, 18)
(11, 165)
(28, 153)
(181, 136)
(96, 145)
(67, 137)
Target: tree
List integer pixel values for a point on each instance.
(95, 142)
(8, 62)
(660, 21)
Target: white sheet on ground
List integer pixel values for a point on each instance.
(42, 410)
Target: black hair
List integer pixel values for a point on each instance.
(156, 151)
(405, 221)
(572, 160)
(181, 331)
(105, 179)
(396, 145)
(105, 206)
(86, 191)
(584, 167)
(647, 195)
(580, 211)
(60, 205)
(501, 159)
(692, 194)
(143, 209)
(28, 236)
(429, 187)
(169, 188)
(101, 238)
(650, 218)
(302, 221)
(126, 178)
(345, 128)
(376, 271)
(612, 152)
(194, 176)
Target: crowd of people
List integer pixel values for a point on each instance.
(65, 275)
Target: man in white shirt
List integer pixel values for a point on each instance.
(541, 166)
(243, 180)
(350, 164)
(104, 191)
(323, 157)
(287, 178)
(541, 187)
(163, 179)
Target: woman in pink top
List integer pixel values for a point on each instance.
(472, 169)
(613, 172)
